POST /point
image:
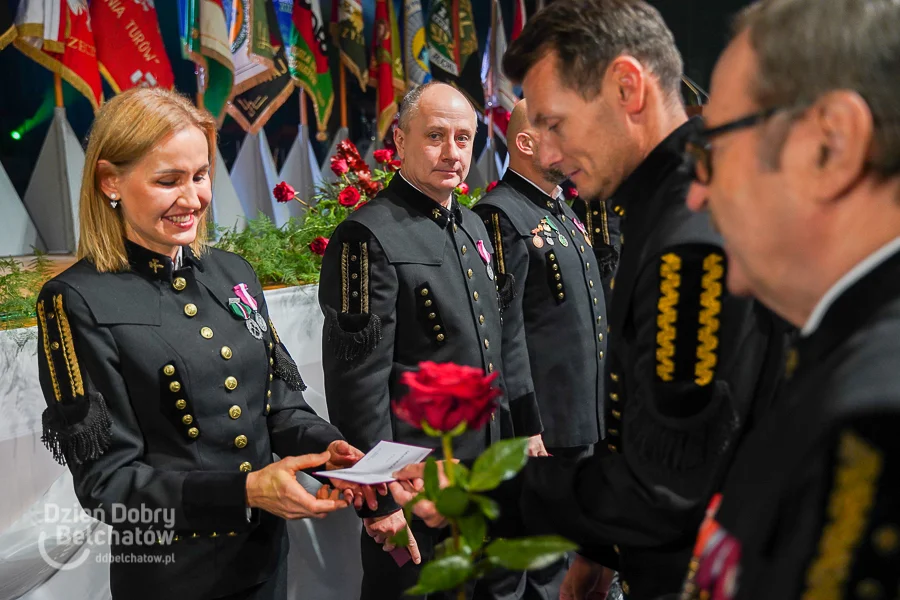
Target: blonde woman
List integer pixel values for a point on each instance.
(167, 387)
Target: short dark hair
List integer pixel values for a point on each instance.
(587, 35)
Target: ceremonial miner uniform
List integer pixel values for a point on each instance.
(165, 387)
(405, 280)
(542, 246)
(602, 219)
(811, 505)
(684, 365)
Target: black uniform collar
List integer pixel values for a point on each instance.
(669, 154)
(851, 311)
(156, 266)
(532, 192)
(425, 205)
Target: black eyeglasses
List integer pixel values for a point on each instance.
(699, 149)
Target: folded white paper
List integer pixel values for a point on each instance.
(379, 463)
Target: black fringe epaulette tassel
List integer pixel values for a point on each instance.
(286, 369)
(80, 442)
(353, 337)
(506, 289)
(608, 258)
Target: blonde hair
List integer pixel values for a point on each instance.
(125, 130)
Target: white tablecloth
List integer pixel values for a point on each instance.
(324, 558)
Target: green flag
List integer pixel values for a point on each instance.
(204, 39)
(348, 32)
(308, 59)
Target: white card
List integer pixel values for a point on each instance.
(379, 463)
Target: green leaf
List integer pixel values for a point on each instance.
(401, 538)
(461, 473)
(452, 502)
(432, 483)
(443, 574)
(473, 529)
(498, 463)
(488, 507)
(526, 554)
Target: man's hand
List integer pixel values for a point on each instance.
(585, 580)
(382, 529)
(343, 456)
(536, 446)
(275, 489)
(410, 481)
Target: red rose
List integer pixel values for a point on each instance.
(463, 188)
(283, 192)
(339, 165)
(491, 186)
(372, 188)
(359, 165)
(318, 245)
(571, 193)
(347, 149)
(383, 156)
(349, 196)
(395, 165)
(360, 205)
(445, 395)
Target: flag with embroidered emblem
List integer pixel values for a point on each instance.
(308, 59)
(204, 40)
(453, 48)
(254, 39)
(253, 108)
(348, 33)
(381, 71)
(498, 88)
(396, 54)
(57, 34)
(130, 50)
(415, 44)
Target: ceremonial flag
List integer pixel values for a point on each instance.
(382, 71)
(348, 34)
(453, 48)
(519, 18)
(254, 40)
(130, 49)
(7, 28)
(308, 59)
(57, 34)
(254, 107)
(499, 89)
(415, 44)
(204, 39)
(396, 55)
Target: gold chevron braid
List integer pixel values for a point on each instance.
(364, 275)
(498, 245)
(710, 300)
(668, 315)
(345, 283)
(42, 319)
(65, 334)
(853, 494)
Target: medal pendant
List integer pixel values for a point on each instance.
(260, 321)
(490, 272)
(538, 241)
(550, 240)
(254, 329)
(563, 241)
(547, 228)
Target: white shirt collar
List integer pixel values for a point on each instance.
(556, 193)
(179, 258)
(844, 283)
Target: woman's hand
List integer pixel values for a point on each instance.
(275, 489)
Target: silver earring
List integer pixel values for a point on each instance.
(112, 200)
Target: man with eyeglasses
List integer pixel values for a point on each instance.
(686, 360)
(806, 191)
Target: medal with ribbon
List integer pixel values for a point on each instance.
(245, 306)
(486, 257)
(559, 235)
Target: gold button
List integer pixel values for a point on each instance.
(55, 345)
(616, 414)
(582, 248)
(552, 256)
(555, 267)
(612, 448)
(481, 319)
(180, 404)
(616, 548)
(596, 213)
(614, 377)
(268, 408)
(179, 283)
(440, 337)
(557, 277)
(595, 302)
(226, 352)
(455, 228)
(270, 377)
(268, 393)
(601, 355)
(246, 467)
(206, 332)
(560, 295)
(625, 587)
(490, 367)
(175, 386)
(240, 441)
(464, 249)
(599, 337)
(470, 272)
(597, 230)
(424, 292)
(432, 315)
(613, 432)
(487, 344)
(271, 361)
(587, 266)
(187, 419)
(886, 540)
(271, 345)
(559, 286)
(475, 295)
(437, 327)
(193, 432)
(214, 535)
(231, 533)
(230, 383)
(234, 412)
(169, 370)
(591, 283)
(599, 318)
(428, 303)
(195, 535)
(190, 309)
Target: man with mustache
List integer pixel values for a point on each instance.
(408, 278)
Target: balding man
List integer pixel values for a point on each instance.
(543, 252)
(409, 278)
